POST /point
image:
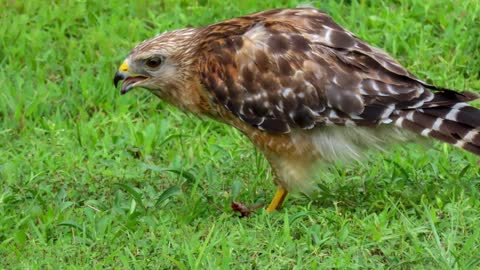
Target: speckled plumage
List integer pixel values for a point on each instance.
(302, 88)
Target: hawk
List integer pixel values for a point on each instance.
(303, 89)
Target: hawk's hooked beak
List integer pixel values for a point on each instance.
(129, 81)
(119, 76)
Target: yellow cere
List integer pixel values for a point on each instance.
(124, 67)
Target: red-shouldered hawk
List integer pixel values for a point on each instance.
(300, 87)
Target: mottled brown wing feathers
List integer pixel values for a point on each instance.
(296, 68)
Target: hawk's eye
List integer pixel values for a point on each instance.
(153, 62)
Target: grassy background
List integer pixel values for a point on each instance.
(91, 179)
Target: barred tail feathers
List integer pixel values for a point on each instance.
(458, 125)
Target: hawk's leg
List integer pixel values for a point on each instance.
(277, 200)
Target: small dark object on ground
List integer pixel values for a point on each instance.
(244, 210)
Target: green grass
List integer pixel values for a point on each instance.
(90, 179)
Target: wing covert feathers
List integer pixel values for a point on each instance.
(289, 69)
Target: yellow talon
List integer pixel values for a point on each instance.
(277, 200)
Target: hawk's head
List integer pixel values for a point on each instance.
(159, 64)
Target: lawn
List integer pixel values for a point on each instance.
(90, 179)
